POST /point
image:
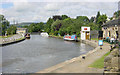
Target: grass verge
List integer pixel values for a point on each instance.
(95, 39)
(6, 36)
(100, 62)
(56, 36)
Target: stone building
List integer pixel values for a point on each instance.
(111, 29)
(119, 31)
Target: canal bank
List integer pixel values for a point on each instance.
(78, 64)
(53, 36)
(12, 40)
(61, 37)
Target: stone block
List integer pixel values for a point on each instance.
(114, 62)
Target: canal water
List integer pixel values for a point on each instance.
(39, 53)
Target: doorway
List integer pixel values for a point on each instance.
(87, 35)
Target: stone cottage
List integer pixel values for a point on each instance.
(111, 29)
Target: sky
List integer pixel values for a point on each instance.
(41, 10)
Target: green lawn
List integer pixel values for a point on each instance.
(6, 36)
(100, 62)
(95, 39)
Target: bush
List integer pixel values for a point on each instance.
(56, 33)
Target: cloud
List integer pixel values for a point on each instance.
(41, 11)
(60, 0)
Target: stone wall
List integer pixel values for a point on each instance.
(112, 62)
(94, 34)
(119, 32)
(91, 43)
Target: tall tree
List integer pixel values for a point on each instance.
(47, 26)
(101, 20)
(98, 14)
(92, 19)
(3, 25)
(117, 14)
(57, 17)
(64, 17)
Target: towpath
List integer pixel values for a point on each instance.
(79, 65)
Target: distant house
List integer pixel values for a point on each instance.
(21, 30)
(111, 29)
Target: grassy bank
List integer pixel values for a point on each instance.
(100, 62)
(95, 39)
(6, 36)
(56, 36)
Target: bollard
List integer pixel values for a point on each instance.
(100, 47)
(83, 57)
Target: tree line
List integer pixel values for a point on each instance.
(63, 24)
(59, 24)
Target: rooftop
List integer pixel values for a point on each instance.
(112, 23)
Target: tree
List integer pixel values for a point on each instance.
(83, 18)
(3, 24)
(47, 26)
(56, 25)
(26, 26)
(102, 19)
(98, 14)
(36, 27)
(93, 26)
(64, 17)
(117, 14)
(92, 19)
(11, 30)
(57, 17)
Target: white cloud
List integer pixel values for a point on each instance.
(60, 0)
(41, 11)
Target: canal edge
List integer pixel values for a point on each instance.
(8, 43)
(79, 58)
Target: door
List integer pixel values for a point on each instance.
(100, 34)
(116, 34)
(87, 35)
(83, 35)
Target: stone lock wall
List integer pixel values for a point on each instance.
(112, 62)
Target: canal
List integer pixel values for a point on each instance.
(39, 53)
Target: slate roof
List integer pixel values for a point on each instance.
(112, 23)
